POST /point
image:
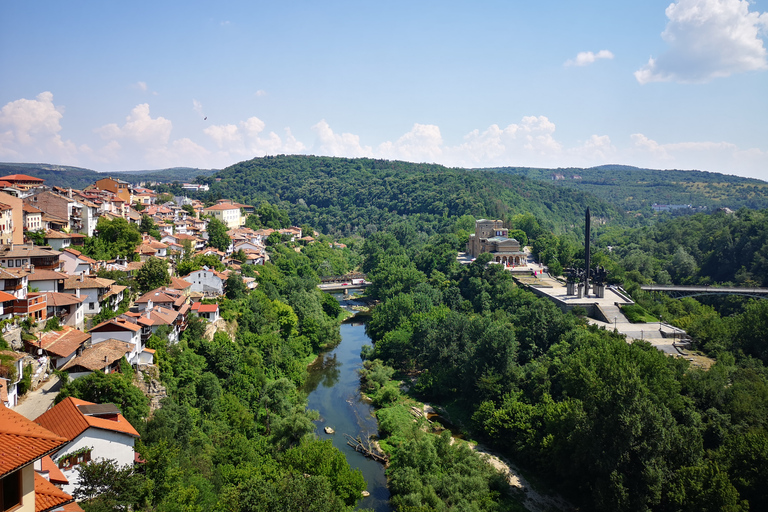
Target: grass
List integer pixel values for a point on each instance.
(637, 314)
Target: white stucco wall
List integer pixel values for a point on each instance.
(105, 444)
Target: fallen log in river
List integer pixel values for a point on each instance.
(366, 449)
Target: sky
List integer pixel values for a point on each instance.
(141, 85)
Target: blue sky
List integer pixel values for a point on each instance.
(122, 86)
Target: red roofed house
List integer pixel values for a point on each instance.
(23, 483)
(93, 432)
(208, 311)
(103, 357)
(229, 214)
(60, 346)
(22, 181)
(75, 263)
(67, 307)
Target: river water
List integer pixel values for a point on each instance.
(333, 386)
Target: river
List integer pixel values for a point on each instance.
(333, 386)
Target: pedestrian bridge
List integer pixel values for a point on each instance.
(678, 292)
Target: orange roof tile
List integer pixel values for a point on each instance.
(116, 324)
(54, 473)
(23, 441)
(48, 496)
(100, 355)
(63, 343)
(5, 296)
(20, 177)
(66, 420)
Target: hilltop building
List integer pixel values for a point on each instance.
(492, 237)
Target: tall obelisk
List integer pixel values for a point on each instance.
(587, 222)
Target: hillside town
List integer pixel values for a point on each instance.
(62, 317)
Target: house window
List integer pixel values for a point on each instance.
(10, 263)
(91, 305)
(10, 491)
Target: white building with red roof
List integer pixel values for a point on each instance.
(93, 432)
(25, 481)
(209, 312)
(120, 329)
(207, 281)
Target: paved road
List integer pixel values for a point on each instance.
(36, 402)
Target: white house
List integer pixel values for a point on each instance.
(94, 432)
(208, 311)
(119, 329)
(75, 263)
(46, 280)
(207, 281)
(67, 307)
(96, 292)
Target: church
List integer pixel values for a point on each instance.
(492, 237)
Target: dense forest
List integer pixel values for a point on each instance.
(79, 178)
(341, 196)
(611, 425)
(633, 189)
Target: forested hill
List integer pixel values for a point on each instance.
(78, 177)
(345, 196)
(634, 189)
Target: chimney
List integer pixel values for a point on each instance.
(82, 277)
(77, 292)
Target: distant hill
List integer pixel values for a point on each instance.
(78, 177)
(634, 189)
(344, 196)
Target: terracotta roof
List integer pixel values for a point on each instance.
(62, 299)
(57, 235)
(116, 324)
(114, 290)
(26, 251)
(45, 275)
(82, 281)
(15, 355)
(54, 473)
(67, 420)
(219, 207)
(28, 208)
(20, 177)
(63, 343)
(23, 441)
(6, 297)
(157, 316)
(205, 308)
(48, 496)
(100, 355)
(179, 284)
(72, 507)
(12, 273)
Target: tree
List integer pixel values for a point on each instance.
(234, 287)
(116, 388)
(153, 274)
(106, 486)
(148, 226)
(217, 235)
(273, 239)
(189, 209)
(115, 237)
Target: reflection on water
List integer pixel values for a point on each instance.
(342, 408)
(323, 370)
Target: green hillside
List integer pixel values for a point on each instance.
(634, 189)
(78, 177)
(346, 196)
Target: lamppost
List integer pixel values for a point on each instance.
(660, 320)
(614, 322)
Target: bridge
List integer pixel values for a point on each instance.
(352, 281)
(678, 292)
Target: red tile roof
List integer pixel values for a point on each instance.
(62, 299)
(205, 308)
(20, 177)
(5, 296)
(66, 420)
(116, 324)
(100, 355)
(23, 441)
(48, 496)
(63, 343)
(54, 473)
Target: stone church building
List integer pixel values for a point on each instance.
(491, 236)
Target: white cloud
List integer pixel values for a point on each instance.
(142, 86)
(30, 129)
(421, 144)
(708, 39)
(260, 93)
(332, 144)
(247, 140)
(586, 58)
(140, 128)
